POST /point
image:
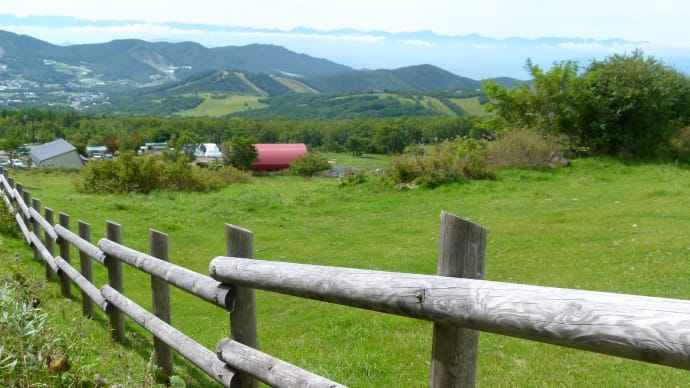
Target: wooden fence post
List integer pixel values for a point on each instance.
(50, 244)
(36, 227)
(462, 246)
(65, 282)
(240, 243)
(114, 266)
(160, 295)
(85, 268)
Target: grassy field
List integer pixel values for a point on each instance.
(216, 107)
(600, 225)
(470, 105)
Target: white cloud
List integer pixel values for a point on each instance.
(418, 42)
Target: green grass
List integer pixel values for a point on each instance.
(471, 106)
(216, 107)
(569, 228)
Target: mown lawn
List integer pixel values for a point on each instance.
(600, 225)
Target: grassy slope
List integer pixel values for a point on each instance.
(470, 105)
(215, 107)
(295, 85)
(567, 228)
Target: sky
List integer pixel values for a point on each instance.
(660, 21)
(659, 27)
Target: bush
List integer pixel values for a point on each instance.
(130, 174)
(450, 161)
(308, 164)
(520, 148)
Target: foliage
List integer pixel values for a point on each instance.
(450, 161)
(8, 225)
(132, 174)
(632, 105)
(308, 164)
(241, 153)
(520, 148)
(626, 105)
(14, 145)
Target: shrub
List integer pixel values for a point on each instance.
(520, 148)
(231, 175)
(144, 174)
(127, 173)
(450, 161)
(308, 164)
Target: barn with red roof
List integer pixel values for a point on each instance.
(276, 157)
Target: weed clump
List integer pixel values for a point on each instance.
(521, 148)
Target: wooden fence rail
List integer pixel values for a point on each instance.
(110, 297)
(457, 301)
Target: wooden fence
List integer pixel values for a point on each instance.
(457, 301)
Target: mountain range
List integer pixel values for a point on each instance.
(140, 77)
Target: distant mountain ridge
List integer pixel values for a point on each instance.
(133, 76)
(143, 61)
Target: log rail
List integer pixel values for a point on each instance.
(458, 302)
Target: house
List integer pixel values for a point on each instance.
(55, 154)
(275, 157)
(154, 148)
(208, 151)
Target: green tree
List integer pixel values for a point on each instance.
(546, 105)
(13, 144)
(241, 153)
(632, 105)
(628, 105)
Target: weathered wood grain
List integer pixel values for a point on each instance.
(9, 191)
(35, 225)
(195, 283)
(462, 247)
(43, 252)
(114, 266)
(65, 284)
(81, 244)
(44, 224)
(90, 291)
(86, 269)
(643, 328)
(240, 243)
(268, 369)
(21, 203)
(49, 241)
(160, 301)
(22, 227)
(198, 355)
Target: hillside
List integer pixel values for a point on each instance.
(140, 61)
(412, 78)
(133, 76)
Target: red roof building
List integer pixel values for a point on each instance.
(275, 157)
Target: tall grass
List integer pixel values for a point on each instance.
(600, 225)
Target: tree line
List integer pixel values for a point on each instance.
(123, 133)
